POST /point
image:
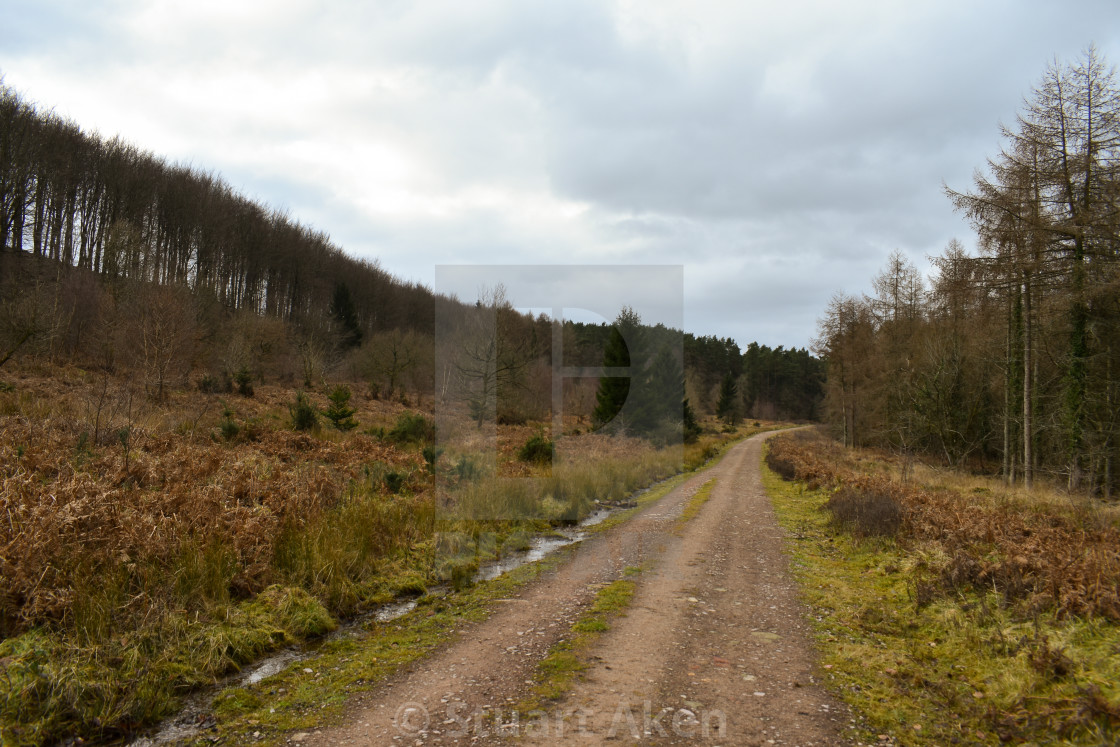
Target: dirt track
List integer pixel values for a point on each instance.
(712, 651)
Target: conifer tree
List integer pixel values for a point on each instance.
(614, 390)
(344, 312)
(728, 408)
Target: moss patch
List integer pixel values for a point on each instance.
(957, 670)
(55, 684)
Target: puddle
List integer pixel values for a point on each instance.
(393, 611)
(272, 665)
(540, 547)
(597, 517)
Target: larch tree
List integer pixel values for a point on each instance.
(1049, 212)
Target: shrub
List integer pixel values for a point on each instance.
(467, 469)
(393, 481)
(780, 464)
(867, 512)
(690, 428)
(412, 428)
(210, 384)
(228, 426)
(339, 412)
(304, 415)
(431, 457)
(244, 381)
(537, 450)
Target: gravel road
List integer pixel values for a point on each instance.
(713, 650)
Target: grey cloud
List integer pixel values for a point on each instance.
(777, 169)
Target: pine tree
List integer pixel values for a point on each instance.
(614, 390)
(728, 409)
(690, 427)
(340, 413)
(344, 312)
(658, 394)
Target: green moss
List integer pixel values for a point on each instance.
(56, 685)
(959, 670)
(294, 609)
(235, 700)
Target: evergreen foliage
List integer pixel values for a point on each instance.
(412, 428)
(649, 402)
(690, 428)
(539, 449)
(614, 390)
(728, 407)
(304, 415)
(339, 411)
(343, 311)
(244, 381)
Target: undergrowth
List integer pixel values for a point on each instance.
(1039, 558)
(923, 634)
(134, 574)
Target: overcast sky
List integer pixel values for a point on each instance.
(778, 151)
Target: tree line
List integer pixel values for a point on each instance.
(121, 262)
(104, 206)
(759, 382)
(1011, 356)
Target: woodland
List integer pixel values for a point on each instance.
(114, 259)
(221, 434)
(1008, 360)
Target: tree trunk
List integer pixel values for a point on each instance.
(1008, 476)
(1109, 446)
(1076, 373)
(1028, 386)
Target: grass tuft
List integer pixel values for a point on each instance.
(692, 508)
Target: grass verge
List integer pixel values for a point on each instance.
(960, 669)
(54, 685)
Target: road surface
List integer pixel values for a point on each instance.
(713, 650)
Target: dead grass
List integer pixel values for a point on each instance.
(128, 530)
(1042, 555)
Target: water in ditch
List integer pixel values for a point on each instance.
(194, 717)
